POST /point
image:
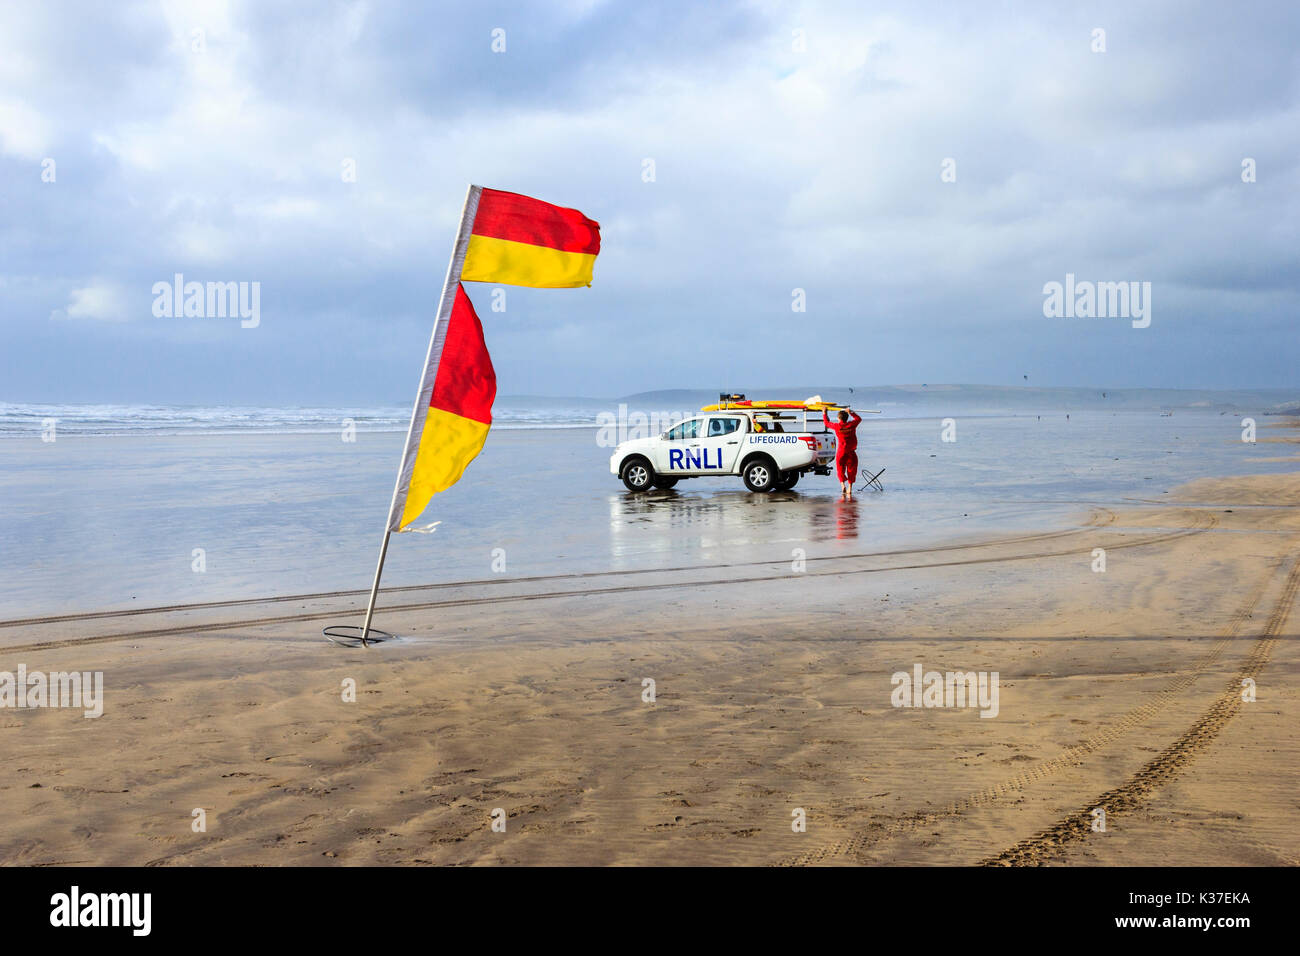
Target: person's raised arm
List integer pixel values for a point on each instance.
(826, 418)
(856, 419)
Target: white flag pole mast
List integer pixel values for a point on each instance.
(422, 398)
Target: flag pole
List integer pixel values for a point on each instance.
(467, 213)
(374, 588)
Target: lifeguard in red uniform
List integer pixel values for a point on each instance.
(846, 448)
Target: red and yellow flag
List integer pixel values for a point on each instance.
(517, 240)
(459, 412)
(504, 238)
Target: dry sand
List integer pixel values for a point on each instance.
(1118, 689)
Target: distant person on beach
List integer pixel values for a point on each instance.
(846, 448)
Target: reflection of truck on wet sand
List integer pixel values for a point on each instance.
(769, 445)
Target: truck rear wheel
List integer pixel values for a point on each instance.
(787, 480)
(637, 474)
(760, 474)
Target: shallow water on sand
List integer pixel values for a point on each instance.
(115, 522)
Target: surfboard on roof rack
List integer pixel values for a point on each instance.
(814, 404)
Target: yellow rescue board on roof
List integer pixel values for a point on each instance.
(812, 405)
(773, 406)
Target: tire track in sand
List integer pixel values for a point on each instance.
(1067, 758)
(1169, 762)
(1096, 521)
(193, 629)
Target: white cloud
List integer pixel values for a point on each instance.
(24, 132)
(101, 300)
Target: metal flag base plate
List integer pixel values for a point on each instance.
(349, 635)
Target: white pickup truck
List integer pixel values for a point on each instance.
(769, 449)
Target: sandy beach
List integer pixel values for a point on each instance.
(1119, 689)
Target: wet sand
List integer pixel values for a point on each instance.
(1118, 689)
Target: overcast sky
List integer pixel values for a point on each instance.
(794, 146)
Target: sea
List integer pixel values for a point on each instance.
(126, 506)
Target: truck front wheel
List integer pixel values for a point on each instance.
(664, 482)
(638, 475)
(760, 474)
